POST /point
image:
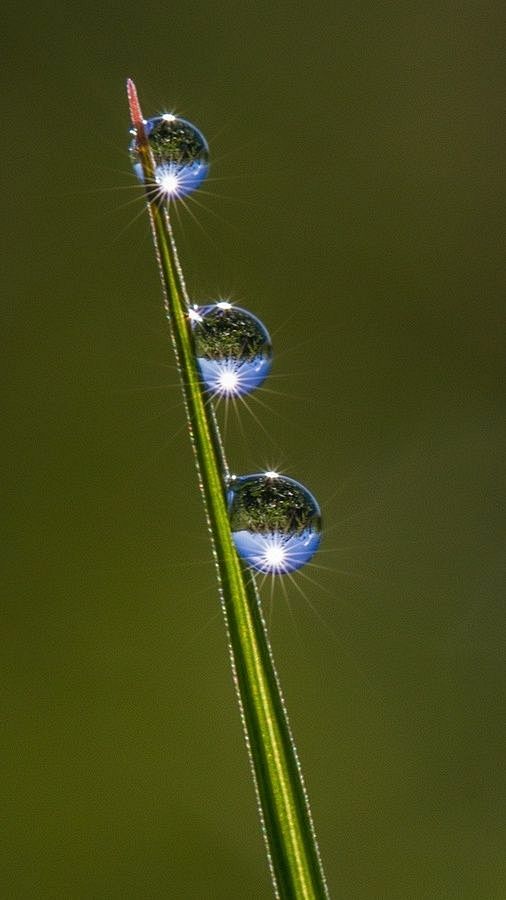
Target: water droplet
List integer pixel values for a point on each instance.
(275, 522)
(180, 152)
(232, 347)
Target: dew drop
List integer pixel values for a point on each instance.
(275, 522)
(180, 152)
(232, 347)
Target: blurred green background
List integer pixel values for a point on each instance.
(354, 205)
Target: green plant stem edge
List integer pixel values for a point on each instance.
(286, 818)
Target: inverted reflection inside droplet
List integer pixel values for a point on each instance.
(232, 348)
(180, 153)
(275, 522)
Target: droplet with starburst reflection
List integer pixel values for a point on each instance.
(232, 347)
(275, 522)
(180, 153)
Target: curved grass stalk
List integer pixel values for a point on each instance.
(283, 804)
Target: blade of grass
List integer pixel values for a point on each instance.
(287, 825)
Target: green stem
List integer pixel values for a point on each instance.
(283, 803)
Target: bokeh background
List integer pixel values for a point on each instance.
(354, 205)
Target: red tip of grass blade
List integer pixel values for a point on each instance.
(140, 132)
(134, 105)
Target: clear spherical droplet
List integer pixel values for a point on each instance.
(275, 522)
(180, 153)
(232, 347)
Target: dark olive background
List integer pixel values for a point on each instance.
(354, 205)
